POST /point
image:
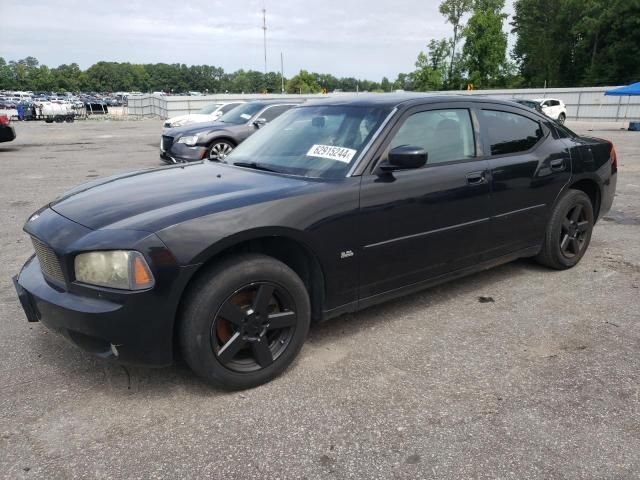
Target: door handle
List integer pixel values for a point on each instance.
(557, 164)
(476, 178)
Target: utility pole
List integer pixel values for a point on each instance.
(264, 28)
(282, 70)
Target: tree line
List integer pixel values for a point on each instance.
(558, 43)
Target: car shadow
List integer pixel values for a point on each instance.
(114, 379)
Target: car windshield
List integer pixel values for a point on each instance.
(209, 109)
(242, 114)
(311, 141)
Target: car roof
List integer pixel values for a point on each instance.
(401, 99)
(548, 98)
(278, 101)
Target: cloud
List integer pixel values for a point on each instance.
(365, 39)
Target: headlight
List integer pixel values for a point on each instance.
(189, 140)
(122, 269)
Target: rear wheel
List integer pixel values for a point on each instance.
(244, 321)
(219, 149)
(561, 118)
(568, 232)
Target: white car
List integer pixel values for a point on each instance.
(210, 113)
(553, 108)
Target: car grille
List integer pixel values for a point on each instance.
(166, 143)
(49, 263)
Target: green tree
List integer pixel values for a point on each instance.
(303, 82)
(67, 77)
(542, 37)
(6, 76)
(454, 10)
(485, 48)
(431, 67)
(577, 42)
(403, 82)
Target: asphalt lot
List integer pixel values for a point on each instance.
(543, 382)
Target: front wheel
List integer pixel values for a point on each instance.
(568, 232)
(244, 321)
(561, 118)
(219, 149)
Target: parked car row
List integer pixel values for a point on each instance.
(215, 140)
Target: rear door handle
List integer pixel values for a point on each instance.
(476, 178)
(557, 164)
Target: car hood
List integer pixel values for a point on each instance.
(191, 118)
(154, 199)
(196, 128)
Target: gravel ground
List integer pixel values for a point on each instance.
(541, 382)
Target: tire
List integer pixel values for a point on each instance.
(568, 232)
(561, 118)
(230, 354)
(49, 120)
(219, 149)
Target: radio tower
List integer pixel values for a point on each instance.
(264, 29)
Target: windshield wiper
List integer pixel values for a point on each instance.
(255, 166)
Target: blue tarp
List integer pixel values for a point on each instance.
(633, 89)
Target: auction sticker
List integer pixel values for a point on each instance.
(340, 154)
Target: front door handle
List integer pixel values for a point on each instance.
(476, 178)
(557, 164)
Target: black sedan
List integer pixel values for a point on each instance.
(7, 133)
(217, 139)
(336, 206)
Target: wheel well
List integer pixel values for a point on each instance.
(290, 252)
(591, 189)
(226, 139)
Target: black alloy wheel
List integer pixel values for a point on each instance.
(253, 327)
(568, 231)
(575, 228)
(244, 320)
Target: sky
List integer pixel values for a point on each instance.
(352, 38)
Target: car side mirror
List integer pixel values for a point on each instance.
(260, 122)
(405, 157)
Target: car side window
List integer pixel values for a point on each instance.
(509, 132)
(446, 135)
(228, 107)
(273, 112)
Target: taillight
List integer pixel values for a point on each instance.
(613, 156)
(3, 120)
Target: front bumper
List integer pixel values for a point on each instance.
(181, 153)
(132, 327)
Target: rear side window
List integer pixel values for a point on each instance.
(228, 107)
(509, 132)
(273, 112)
(446, 135)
